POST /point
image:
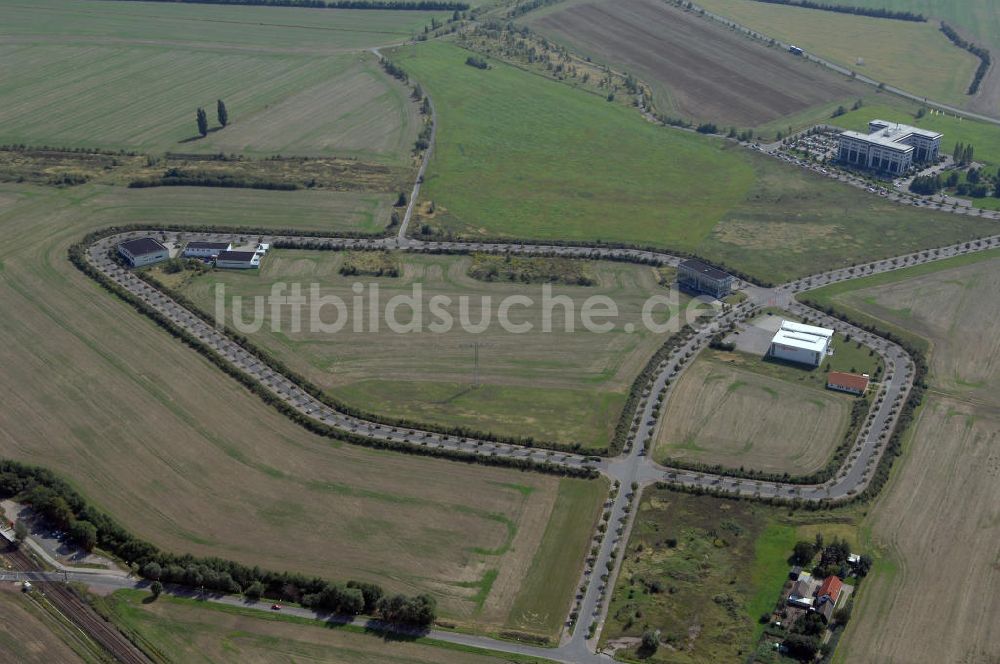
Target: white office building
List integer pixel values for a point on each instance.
(238, 260)
(205, 249)
(889, 147)
(796, 342)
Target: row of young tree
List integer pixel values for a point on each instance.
(874, 12)
(62, 507)
(980, 52)
(220, 112)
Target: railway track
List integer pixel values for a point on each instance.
(81, 614)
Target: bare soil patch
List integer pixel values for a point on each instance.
(706, 71)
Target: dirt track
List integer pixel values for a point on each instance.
(709, 72)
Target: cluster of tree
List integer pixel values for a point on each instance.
(202, 117)
(56, 502)
(423, 138)
(529, 6)
(743, 136)
(980, 52)
(718, 344)
(963, 154)
(397, 5)
(477, 62)
(926, 185)
(707, 128)
(975, 185)
(176, 177)
(873, 12)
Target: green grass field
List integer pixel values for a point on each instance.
(575, 167)
(182, 630)
(978, 18)
(213, 462)
(915, 57)
(94, 74)
(567, 387)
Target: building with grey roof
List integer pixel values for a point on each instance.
(889, 147)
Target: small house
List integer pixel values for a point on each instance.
(847, 382)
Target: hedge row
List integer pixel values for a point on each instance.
(873, 12)
(980, 52)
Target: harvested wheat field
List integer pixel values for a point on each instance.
(935, 592)
(698, 69)
(720, 414)
(185, 457)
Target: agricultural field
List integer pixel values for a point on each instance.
(563, 386)
(915, 57)
(580, 169)
(697, 68)
(976, 20)
(212, 464)
(945, 488)
(182, 630)
(702, 570)
(139, 92)
(235, 28)
(721, 413)
(30, 635)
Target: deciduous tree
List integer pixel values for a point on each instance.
(202, 122)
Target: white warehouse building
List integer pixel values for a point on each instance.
(889, 147)
(796, 342)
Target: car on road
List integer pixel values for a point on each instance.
(276, 607)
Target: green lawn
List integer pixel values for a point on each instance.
(574, 167)
(913, 56)
(522, 156)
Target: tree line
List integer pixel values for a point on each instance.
(395, 5)
(980, 52)
(873, 12)
(61, 506)
(176, 177)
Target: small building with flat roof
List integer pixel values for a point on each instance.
(796, 342)
(205, 249)
(702, 278)
(238, 260)
(143, 251)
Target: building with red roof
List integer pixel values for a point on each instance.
(830, 589)
(847, 382)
